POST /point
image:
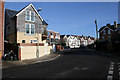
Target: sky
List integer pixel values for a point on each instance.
(73, 18)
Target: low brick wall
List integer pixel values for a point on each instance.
(29, 50)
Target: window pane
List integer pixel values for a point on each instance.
(32, 16)
(32, 29)
(28, 15)
(27, 28)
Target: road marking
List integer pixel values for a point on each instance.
(111, 68)
(110, 72)
(111, 65)
(112, 62)
(109, 77)
(119, 69)
(119, 73)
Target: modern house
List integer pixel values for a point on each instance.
(28, 29)
(1, 28)
(53, 37)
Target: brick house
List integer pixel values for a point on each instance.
(1, 27)
(26, 28)
(106, 32)
(53, 37)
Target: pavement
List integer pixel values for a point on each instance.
(49, 57)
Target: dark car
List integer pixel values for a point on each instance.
(67, 49)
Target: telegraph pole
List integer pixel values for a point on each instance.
(96, 29)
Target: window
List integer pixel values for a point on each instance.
(27, 28)
(48, 33)
(42, 30)
(104, 31)
(109, 32)
(9, 29)
(51, 33)
(33, 41)
(23, 41)
(103, 37)
(30, 28)
(30, 16)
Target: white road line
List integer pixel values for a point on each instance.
(112, 62)
(119, 73)
(111, 65)
(119, 69)
(110, 72)
(109, 77)
(111, 68)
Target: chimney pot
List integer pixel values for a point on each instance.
(115, 24)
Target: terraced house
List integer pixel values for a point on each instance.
(28, 29)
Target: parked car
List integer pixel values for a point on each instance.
(67, 49)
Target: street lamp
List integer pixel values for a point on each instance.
(38, 36)
(96, 29)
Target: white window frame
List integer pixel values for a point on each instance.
(30, 16)
(30, 29)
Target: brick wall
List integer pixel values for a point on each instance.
(1, 26)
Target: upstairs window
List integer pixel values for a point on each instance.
(109, 32)
(104, 31)
(30, 16)
(30, 28)
(27, 15)
(119, 31)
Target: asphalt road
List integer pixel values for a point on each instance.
(80, 63)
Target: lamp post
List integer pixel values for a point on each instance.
(38, 37)
(96, 29)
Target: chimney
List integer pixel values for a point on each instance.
(108, 24)
(115, 24)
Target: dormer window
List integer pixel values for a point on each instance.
(30, 16)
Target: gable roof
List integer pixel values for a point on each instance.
(109, 26)
(11, 13)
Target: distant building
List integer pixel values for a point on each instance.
(106, 32)
(53, 37)
(1, 28)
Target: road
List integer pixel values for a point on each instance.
(80, 63)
